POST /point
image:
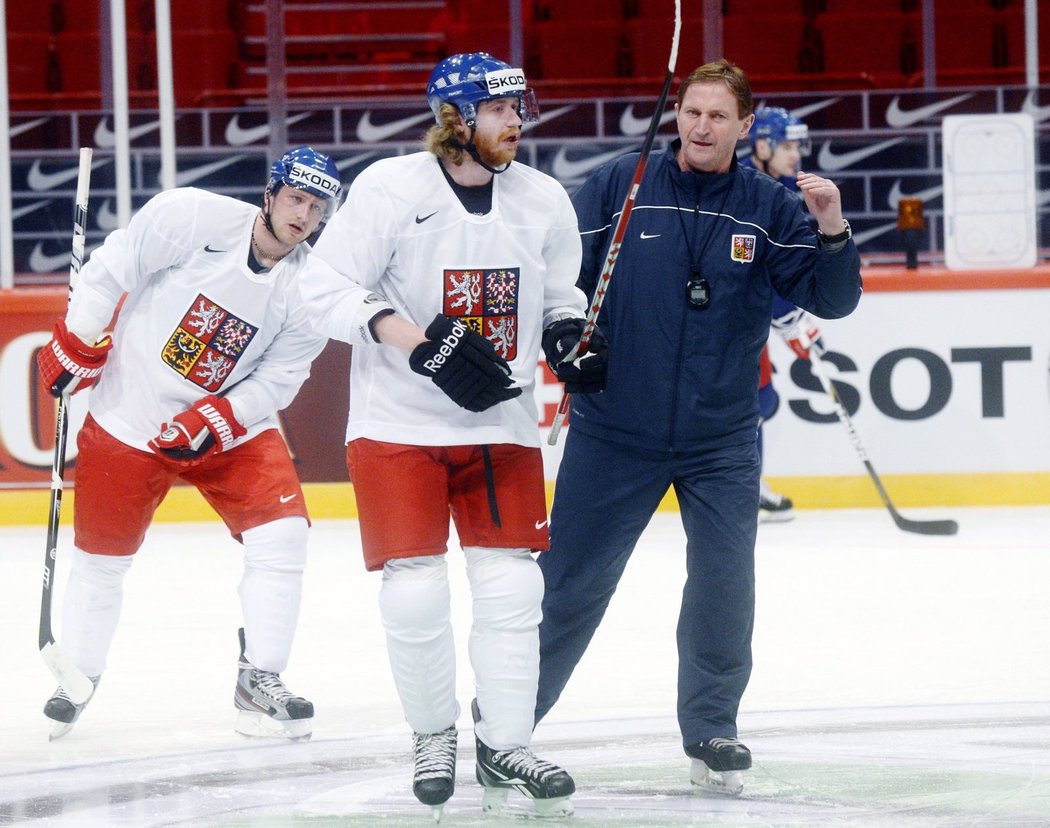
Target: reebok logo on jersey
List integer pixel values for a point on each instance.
(421, 219)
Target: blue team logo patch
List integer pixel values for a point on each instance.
(743, 248)
(487, 300)
(207, 344)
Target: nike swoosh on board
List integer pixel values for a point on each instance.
(830, 161)
(804, 112)
(546, 117)
(28, 125)
(565, 170)
(897, 117)
(106, 217)
(41, 262)
(354, 159)
(105, 138)
(186, 177)
(38, 180)
(29, 208)
(860, 238)
(923, 195)
(631, 125)
(1038, 113)
(369, 133)
(238, 136)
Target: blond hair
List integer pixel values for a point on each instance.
(443, 138)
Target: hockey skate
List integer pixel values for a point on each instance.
(63, 712)
(266, 707)
(718, 765)
(773, 507)
(435, 774)
(500, 771)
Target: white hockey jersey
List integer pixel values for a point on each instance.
(404, 234)
(196, 320)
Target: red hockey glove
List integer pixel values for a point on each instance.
(205, 428)
(800, 333)
(67, 364)
(463, 364)
(587, 373)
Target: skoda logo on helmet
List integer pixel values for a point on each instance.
(505, 82)
(301, 176)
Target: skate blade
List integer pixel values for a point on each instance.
(58, 730)
(725, 783)
(494, 802)
(259, 726)
(775, 517)
(436, 811)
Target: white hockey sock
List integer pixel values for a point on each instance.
(91, 608)
(415, 605)
(507, 590)
(271, 590)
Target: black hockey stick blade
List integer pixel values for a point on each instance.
(918, 527)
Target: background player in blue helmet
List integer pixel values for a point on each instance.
(779, 142)
(212, 340)
(448, 270)
(686, 315)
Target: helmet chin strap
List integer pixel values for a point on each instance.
(472, 151)
(267, 208)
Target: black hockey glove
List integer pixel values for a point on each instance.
(463, 364)
(586, 373)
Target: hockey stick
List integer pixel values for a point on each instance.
(77, 685)
(621, 225)
(921, 527)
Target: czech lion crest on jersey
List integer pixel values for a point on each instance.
(207, 343)
(487, 300)
(743, 248)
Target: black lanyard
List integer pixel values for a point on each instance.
(698, 289)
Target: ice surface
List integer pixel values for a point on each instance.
(899, 680)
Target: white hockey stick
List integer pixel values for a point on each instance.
(921, 527)
(73, 680)
(621, 225)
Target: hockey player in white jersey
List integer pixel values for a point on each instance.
(210, 343)
(448, 270)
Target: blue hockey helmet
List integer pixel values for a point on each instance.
(306, 169)
(466, 80)
(775, 124)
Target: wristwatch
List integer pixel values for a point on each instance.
(838, 238)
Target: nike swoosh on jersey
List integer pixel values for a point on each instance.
(897, 117)
(369, 133)
(645, 235)
(896, 194)
(1038, 113)
(105, 138)
(564, 169)
(41, 262)
(209, 249)
(39, 180)
(421, 219)
(286, 498)
(631, 125)
(540, 524)
(28, 125)
(831, 161)
(187, 177)
(238, 136)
